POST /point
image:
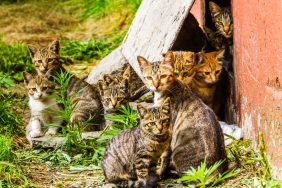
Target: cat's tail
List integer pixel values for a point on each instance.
(150, 182)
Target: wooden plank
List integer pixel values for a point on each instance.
(153, 31)
(110, 63)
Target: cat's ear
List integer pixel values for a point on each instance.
(169, 59)
(220, 55)
(199, 58)
(191, 58)
(165, 107)
(108, 79)
(32, 50)
(142, 62)
(126, 73)
(101, 86)
(214, 8)
(27, 77)
(55, 46)
(141, 110)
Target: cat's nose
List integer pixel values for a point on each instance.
(226, 29)
(160, 127)
(45, 65)
(39, 94)
(156, 83)
(114, 103)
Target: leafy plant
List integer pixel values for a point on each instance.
(206, 177)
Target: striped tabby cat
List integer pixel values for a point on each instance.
(132, 156)
(184, 64)
(223, 21)
(208, 71)
(196, 134)
(42, 106)
(114, 90)
(85, 99)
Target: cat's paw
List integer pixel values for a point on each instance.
(78, 117)
(51, 131)
(35, 133)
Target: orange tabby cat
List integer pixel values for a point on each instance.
(184, 64)
(207, 72)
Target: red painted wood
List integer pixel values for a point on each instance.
(258, 71)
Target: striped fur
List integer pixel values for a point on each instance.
(85, 99)
(184, 64)
(222, 38)
(222, 19)
(196, 134)
(132, 156)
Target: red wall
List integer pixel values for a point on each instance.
(258, 71)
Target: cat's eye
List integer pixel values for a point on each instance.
(50, 60)
(148, 78)
(34, 89)
(164, 76)
(217, 72)
(44, 88)
(39, 61)
(207, 73)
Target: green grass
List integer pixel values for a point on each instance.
(93, 49)
(11, 174)
(10, 120)
(205, 176)
(99, 8)
(14, 59)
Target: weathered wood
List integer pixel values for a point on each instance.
(110, 63)
(153, 31)
(50, 141)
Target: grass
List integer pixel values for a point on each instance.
(205, 176)
(100, 8)
(14, 59)
(11, 174)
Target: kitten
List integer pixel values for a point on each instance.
(42, 105)
(222, 19)
(132, 156)
(207, 74)
(115, 91)
(184, 64)
(85, 99)
(222, 38)
(196, 133)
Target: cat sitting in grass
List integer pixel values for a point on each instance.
(43, 106)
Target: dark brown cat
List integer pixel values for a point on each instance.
(132, 156)
(196, 133)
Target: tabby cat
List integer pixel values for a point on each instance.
(184, 64)
(223, 21)
(132, 156)
(208, 71)
(42, 105)
(196, 133)
(85, 99)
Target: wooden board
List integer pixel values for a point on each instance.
(153, 31)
